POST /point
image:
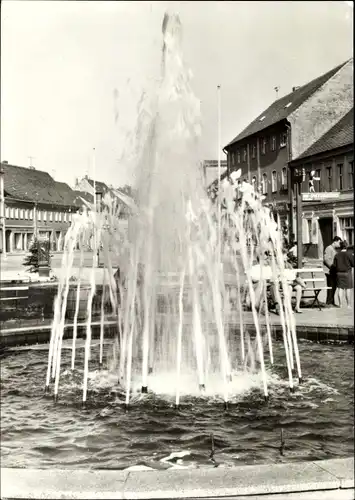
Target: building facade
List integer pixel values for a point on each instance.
(84, 189)
(35, 205)
(210, 170)
(329, 210)
(2, 211)
(285, 130)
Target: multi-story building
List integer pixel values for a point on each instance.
(210, 170)
(35, 205)
(287, 129)
(331, 212)
(2, 211)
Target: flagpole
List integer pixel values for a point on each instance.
(219, 172)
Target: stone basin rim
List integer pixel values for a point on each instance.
(335, 476)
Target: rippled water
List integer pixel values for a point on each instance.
(317, 419)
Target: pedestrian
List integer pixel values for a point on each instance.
(295, 284)
(328, 259)
(343, 264)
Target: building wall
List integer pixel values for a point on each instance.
(85, 186)
(210, 171)
(273, 157)
(2, 212)
(322, 110)
(332, 217)
(23, 219)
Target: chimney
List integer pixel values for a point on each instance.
(295, 88)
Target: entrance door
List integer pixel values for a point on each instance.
(326, 229)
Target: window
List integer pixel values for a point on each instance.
(253, 151)
(263, 146)
(274, 181)
(273, 143)
(329, 179)
(238, 156)
(264, 184)
(50, 214)
(44, 215)
(245, 154)
(347, 228)
(284, 177)
(233, 160)
(31, 214)
(22, 214)
(340, 176)
(7, 212)
(283, 140)
(351, 174)
(12, 213)
(16, 213)
(39, 214)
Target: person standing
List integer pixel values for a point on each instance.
(343, 264)
(328, 259)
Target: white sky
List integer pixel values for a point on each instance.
(61, 62)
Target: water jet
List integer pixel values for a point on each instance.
(169, 295)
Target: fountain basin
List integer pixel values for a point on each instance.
(317, 419)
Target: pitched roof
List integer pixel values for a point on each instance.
(100, 186)
(29, 184)
(342, 134)
(83, 194)
(282, 108)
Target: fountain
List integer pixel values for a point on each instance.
(172, 302)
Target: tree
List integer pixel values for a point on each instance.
(34, 257)
(32, 260)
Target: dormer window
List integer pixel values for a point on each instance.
(262, 119)
(288, 104)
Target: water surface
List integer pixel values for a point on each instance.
(318, 419)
